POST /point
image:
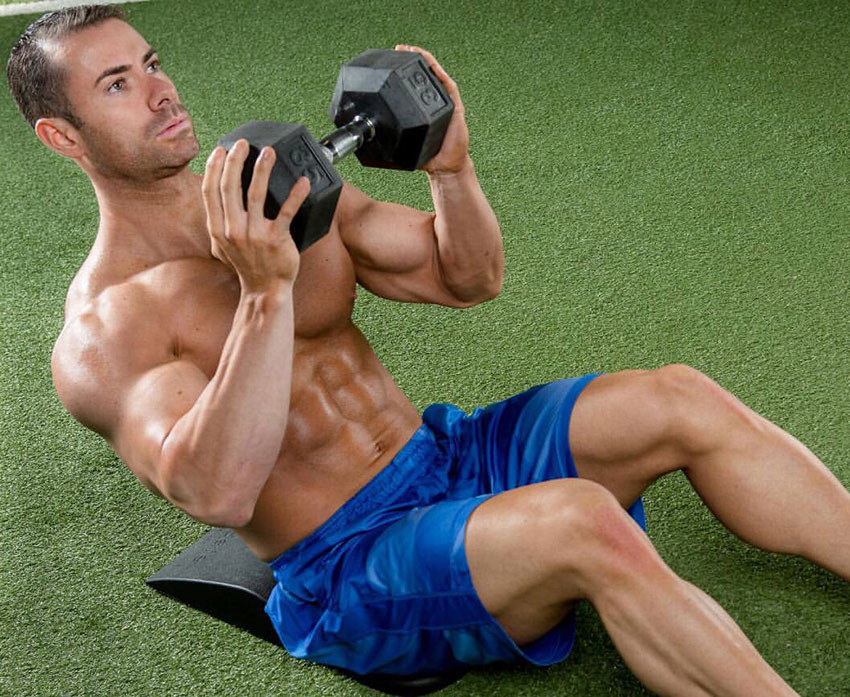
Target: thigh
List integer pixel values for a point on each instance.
(623, 432)
(510, 540)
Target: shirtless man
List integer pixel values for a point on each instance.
(226, 372)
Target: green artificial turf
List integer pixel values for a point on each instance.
(672, 182)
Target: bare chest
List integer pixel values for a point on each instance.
(206, 300)
(194, 300)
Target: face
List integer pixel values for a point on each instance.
(126, 103)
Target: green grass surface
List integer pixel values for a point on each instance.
(672, 183)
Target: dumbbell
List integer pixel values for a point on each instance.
(391, 110)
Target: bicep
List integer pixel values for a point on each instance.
(393, 249)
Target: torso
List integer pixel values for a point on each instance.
(347, 416)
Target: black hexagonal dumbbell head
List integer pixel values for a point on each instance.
(297, 154)
(405, 100)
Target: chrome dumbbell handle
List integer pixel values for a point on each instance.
(348, 138)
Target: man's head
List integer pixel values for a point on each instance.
(93, 90)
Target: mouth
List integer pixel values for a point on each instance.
(174, 126)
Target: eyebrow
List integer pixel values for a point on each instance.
(123, 68)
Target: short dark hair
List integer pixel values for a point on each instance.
(36, 82)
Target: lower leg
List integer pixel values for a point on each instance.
(678, 641)
(772, 491)
(535, 550)
(631, 427)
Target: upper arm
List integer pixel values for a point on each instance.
(126, 389)
(393, 249)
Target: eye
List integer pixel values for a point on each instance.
(154, 63)
(117, 82)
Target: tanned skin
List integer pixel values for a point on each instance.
(227, 374)
(224, 369)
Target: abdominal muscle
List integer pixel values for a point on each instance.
(347, 420)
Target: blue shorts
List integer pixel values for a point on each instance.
(384, 587)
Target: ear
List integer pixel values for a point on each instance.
(59, 135)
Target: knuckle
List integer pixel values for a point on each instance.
(234, 237)
(234, 229)
(273, 242)
(282, 224)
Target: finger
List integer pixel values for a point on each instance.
(231, 183)
(442, 75)
(427, 55)
(212, 193)
(293, 202)
(259, 185)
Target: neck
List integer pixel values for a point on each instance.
(153, 221)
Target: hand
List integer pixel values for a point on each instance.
(454, 152)
(261, 251)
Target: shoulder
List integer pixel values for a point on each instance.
(352, 208)
(352, 199)
(105, 341)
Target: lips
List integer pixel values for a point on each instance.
(172, 124)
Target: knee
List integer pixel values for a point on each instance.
(681, 385)
(702, 413)
(601, 541)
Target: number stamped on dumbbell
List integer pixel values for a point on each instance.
(307, 164)
(420, 83)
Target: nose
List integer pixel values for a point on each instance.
(162, 92)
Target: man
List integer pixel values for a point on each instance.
(226, 372)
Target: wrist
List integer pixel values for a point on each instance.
(272, 291)
(462, 169)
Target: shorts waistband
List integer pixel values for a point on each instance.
(371, 496)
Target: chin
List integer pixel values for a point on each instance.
(179, 158)
(190, 149)
(143, 163)
(188, 144)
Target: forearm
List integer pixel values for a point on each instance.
(222, 451)
(469, 240)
